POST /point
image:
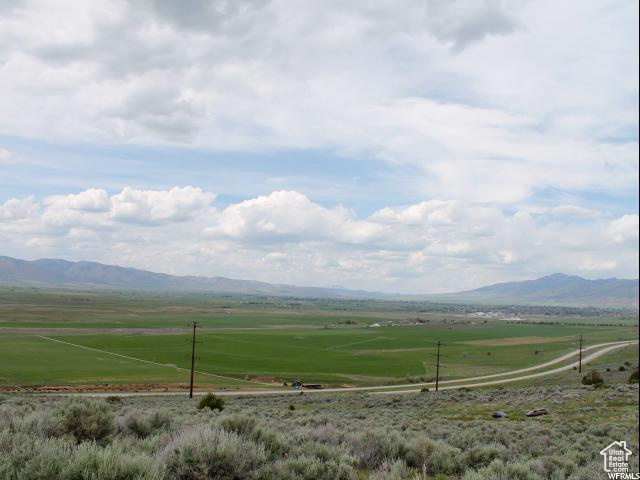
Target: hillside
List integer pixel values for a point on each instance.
(55, 272)
(561, 289)
(556, 289)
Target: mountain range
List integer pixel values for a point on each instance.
(560, 289)
(556, 289)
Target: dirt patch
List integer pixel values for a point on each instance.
(138, 387)
(500, 342)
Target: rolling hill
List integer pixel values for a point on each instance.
(560, 289)
(63, 273)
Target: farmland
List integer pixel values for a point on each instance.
(81, 338)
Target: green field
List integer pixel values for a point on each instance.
(111, 338)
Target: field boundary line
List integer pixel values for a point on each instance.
(604, 348)
(151, 362)
(357, 343)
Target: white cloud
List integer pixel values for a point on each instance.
(487, 106)
(285, 237)
(575, 211)
(492, 101)
(5, 156)
(465, 22)
(179, 204)
(17, 208)
(624, 230)
(91, 200)
(288, 216)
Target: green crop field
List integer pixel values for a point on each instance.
(57, 337)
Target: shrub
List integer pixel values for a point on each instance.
(118, 461)
(447, 460)
(292, 407)
(592, 378)
(212, 402)
(552, 467)
(305, 467)
(373, 447)
(144, 425)
(275, 445)
(498, 470)
(391, 470)
(44, 423)
(212, 453)
(621, 368)
(634, 376)
(483, 455)
(327, 434)
(419, 451)
(23, 456)
(434, 456)
(86, 419)
(133, 423)
(240, 424)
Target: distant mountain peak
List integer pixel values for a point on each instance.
(560, 288)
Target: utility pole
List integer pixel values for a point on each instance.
(438, 366)
(580, 357)
(193, 358)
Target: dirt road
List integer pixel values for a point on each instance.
(600, 350)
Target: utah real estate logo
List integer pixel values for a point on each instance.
(616, 461)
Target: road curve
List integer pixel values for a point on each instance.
(585, 360)
(603, 349)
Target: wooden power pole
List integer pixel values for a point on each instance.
(193, 359)
(580, 356)
(438, 366)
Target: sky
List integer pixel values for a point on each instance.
(414, 147)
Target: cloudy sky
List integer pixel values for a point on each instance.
(415, 146)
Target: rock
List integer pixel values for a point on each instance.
(536, 412)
